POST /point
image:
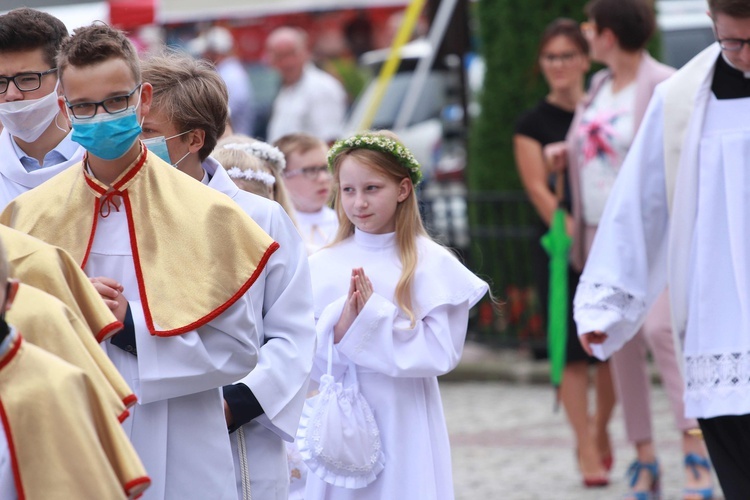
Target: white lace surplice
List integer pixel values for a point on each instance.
(717, 344)
(627, 266)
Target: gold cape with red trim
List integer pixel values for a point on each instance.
(52, 270)
(50, 324)
(195, 251)
(63, 442)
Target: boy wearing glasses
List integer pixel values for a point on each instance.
(35, 143)
(174, 260)
(309, 183)
(678, 215)
(187, 116)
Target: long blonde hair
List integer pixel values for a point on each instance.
(409, 225)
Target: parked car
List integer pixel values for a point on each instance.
(685, 29)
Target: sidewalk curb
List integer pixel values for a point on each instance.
(485, 363)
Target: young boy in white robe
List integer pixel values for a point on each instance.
(309, 184)
(396, 306)
(175, 261)
(186, 117)
(677, 215)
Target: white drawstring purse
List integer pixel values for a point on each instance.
(338, 437)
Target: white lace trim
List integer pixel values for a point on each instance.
(600, 297)
(717, 372)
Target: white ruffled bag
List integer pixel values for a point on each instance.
(338, 437)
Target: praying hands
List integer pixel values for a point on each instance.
(360, 290)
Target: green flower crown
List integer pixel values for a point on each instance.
(382, 144)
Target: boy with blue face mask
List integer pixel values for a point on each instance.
(186, 117)
(178, 274)
(35, 144)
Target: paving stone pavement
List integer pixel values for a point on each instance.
(508, 444)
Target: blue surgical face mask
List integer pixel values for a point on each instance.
(158, 146)
(107, 136)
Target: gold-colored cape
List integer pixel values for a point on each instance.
(63, 442)
(50, 324)
(53, 270)
(195, 251)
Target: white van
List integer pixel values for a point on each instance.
(685, 29)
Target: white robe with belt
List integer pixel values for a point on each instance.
(397, 364)
(178, 426)
(287, 335)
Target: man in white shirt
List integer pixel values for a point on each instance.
(35, 142)
(677, 216)
(310, 100)
(219, 49)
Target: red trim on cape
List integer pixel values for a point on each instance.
(133, 171)
(6, 423)
(101, 190)
(13, 456)
(136, 484)
(122, 416)
(12, 351)
(208, 317)
(108, 330)
(97, 204)
(93, 185)
(130, 400)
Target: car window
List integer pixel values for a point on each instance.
(679, 46)
(431, 100)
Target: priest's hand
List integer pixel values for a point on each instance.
(590, 338)
(111, 292)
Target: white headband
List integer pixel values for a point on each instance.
(261, 150)
(251, 175)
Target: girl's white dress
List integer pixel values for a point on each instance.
(397, 365)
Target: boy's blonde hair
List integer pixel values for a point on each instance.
(95, 44)
(299, 143)
(280, 194)
(409, 225)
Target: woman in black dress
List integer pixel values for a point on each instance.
(563, 60)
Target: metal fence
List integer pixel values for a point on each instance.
(502, 246)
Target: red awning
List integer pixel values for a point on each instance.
(129, 14)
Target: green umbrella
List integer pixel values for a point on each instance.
(557, 244)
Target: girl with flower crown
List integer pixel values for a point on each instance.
(391, 307)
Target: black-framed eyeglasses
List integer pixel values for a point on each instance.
(309, 172)
(564, 58)
(111, 105)
(733, 44)
(25, 82)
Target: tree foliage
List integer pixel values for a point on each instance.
(509, 32)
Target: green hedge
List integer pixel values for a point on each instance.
(509, 33)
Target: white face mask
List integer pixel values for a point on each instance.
(29, 118)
